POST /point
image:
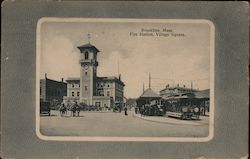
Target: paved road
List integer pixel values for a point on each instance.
(116, 124)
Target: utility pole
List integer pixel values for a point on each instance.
(191, 85)
(149, 84)
(89, 38)
(143, 89)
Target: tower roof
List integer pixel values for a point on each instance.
(149, 93)
(87, 46)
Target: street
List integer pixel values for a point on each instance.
(117, 124)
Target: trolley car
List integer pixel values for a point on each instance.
(183, 107)
(155, 108)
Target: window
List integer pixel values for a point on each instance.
(86, 88)
(108, 85)
(101, 93)
(108, 93)
(86, 73)
(86, 55)
(73, 94)
(72, 85)
(78, 94)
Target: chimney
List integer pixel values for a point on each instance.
(119, 77)
(62, 80)
(45, 75)
(184, 86)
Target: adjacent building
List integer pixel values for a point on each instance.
(172, 90)
(147, 96)
(103, 92)
(52, 91)
(204, 96)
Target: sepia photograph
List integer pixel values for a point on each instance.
(124, 79)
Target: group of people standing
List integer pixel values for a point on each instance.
(75, 109)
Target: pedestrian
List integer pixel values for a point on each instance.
(62, 109)
(125, 111)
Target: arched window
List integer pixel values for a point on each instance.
(86, 55)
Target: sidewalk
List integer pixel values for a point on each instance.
(173, 121)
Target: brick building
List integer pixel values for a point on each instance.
(52, 91)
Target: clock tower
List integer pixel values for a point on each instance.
(89, 63)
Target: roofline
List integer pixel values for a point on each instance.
(102, 78)
(114, 79)
(53, 80)
(88, 47)
(179, 87)
(72, 79)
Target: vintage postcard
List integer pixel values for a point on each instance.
(125, 79)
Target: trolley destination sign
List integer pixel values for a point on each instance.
(124, 80)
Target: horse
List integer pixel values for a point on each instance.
(75, 109)
(62, 110)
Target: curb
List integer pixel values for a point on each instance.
(163, 122)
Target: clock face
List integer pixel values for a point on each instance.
(86, 67)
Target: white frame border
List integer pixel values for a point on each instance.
(126, 139)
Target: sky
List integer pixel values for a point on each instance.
(169, 59)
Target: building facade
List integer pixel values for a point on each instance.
(170, 91)
(204, 96)
(52, 91)
(103, 92)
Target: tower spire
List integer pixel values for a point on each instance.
(118, 67)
